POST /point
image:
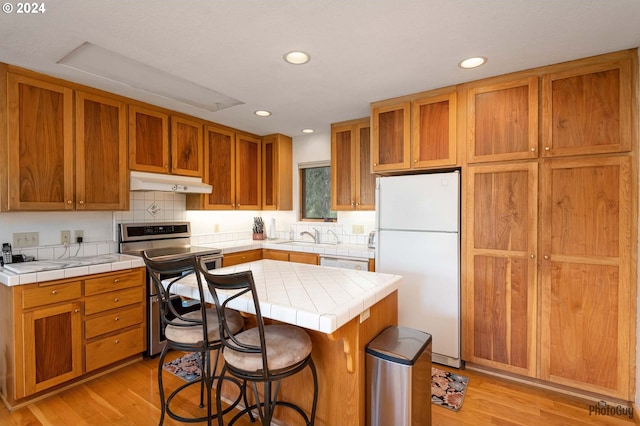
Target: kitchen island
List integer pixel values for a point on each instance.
(342, 310)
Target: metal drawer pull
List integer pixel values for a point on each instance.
(76, 310)
(116, 299)
(117, 341)
(117, 280)
(54, 292)
(117, 318)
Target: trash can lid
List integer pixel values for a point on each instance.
(399, 344)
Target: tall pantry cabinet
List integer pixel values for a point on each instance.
(548, 284)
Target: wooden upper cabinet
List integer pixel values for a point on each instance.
(277, 170)
(352, 183)
(187, 149)
(587, 291)
(101, 153)
(434, 131)
(148, 140)
(391, 139)
(415, 132)
(40, 145)
(248, 172)
(500, 292)
(502, 120)
(219, 171)
(587, 109)
(232, 166)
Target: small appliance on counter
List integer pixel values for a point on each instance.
(8, 257)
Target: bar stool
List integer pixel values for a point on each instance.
(196, 331)
(264, 354)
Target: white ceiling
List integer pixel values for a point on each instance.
(361, 50)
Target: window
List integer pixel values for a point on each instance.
(315, 192)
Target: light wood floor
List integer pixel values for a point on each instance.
(129, 397)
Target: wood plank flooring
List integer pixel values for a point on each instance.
(129, 397)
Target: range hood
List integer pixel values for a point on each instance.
(142, 181)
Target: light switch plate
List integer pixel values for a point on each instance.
(26, 239)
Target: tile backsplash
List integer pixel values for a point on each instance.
(100, 228)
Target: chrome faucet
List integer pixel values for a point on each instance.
(315, 235)
(330, 231)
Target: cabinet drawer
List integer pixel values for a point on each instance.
(113, 282)
(113, 300)
(120, 319)
(39, 296)
(114, 348)
(241, 257)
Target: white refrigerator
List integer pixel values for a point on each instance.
(418, 226)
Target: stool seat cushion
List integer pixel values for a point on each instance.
(193, 334)
(287, 345)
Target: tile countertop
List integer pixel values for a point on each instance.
(69, 268)
(314, 297)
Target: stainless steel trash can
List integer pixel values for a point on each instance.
(398, 388)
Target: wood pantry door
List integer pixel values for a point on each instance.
(586, 298)
(499, 314)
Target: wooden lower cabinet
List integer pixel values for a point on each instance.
(52, 343)
(56, 332)
(500, 292)
(587, 290)
(283, 255)
(550, 293)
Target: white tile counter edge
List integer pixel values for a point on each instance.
(123, 261)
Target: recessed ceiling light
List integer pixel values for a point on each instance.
(262, 113)
(297, 57)
(474, 62)
(308, 130)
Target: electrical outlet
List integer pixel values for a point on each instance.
(78, 233)
(65, 237)
(357, 229)
(26, 239)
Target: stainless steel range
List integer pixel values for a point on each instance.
(163, 241)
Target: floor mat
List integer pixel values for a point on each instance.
(186, 367)
(447, 389)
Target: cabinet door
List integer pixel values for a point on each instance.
(101, 153)
(434, 131)
(352, 182)
(248, 175)
(148, 140)
(500, 287)
(40, 145)
(391, 137)
(586, 296)
(186, 147)
(587, 110)
(502, 121)
(343, 163)
(277, 164)
(220, 168)
(52, 346)
(365, 180)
